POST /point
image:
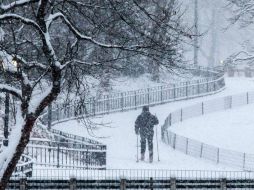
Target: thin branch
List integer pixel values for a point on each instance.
(19, 3)
(20, 18)
(9, 89)
(89, 38)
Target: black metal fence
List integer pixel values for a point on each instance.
(67, 154)
(134, 179)
(24, 166)
(64, 153)
(135, 99)
(200, 149)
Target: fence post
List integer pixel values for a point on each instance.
(247, 96)
(201, 150)
(68, 110)
(123, 184)
(94, 105)
(49, 116)
(170, 119)
(244, 157)
(198, 90)
(108, 104)
(172, 183)
(148, 97)
(151, 183)
(202, 107)
(174, 141)
(135, 99)
(22, 183)
(73, 183)
(186, 90)
(174, 91)
(161, 95)
(207, 86)
(122, 101)
(223, 184)
(87, 160)
(218, 155)
(58, 156)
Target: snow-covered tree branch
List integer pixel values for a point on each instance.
(244, 16)
(48, 47)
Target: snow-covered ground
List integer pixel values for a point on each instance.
(231, 129)
(124, 83)
(121, 139)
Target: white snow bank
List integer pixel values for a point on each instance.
(231, 129)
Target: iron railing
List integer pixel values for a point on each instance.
(67, 155)
(61, 154)
(24, 166)
(134, 179)
(135, 99)
(200, 149)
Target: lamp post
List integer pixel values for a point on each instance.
(6, 119)
(7, 111)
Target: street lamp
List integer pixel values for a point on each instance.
(6, 118)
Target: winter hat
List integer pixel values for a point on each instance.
(145, 108)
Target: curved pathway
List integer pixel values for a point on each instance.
(121, 144)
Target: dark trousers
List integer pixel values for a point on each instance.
(143, 141)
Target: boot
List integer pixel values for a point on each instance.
(150, 157)
(142, 157)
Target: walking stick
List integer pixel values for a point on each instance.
(157, 144)
(137, 147)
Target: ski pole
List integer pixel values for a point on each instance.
(137, 147)
(157, 144)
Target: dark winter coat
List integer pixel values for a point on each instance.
(144, 124)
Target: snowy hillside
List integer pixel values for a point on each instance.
(127, 83)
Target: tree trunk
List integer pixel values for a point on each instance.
(25, 135)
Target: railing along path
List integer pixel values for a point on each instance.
(199, 149)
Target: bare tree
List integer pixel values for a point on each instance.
(243, 11)
(43, 52)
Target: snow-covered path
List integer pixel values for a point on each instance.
(121, 139)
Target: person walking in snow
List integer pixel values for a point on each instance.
(144, 125)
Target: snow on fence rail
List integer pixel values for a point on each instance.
(138, 174)
(24, 166)
(64, 153)
(135, 99)
(198, 149)
(123, 184)
(133, 179)
(67, 155)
